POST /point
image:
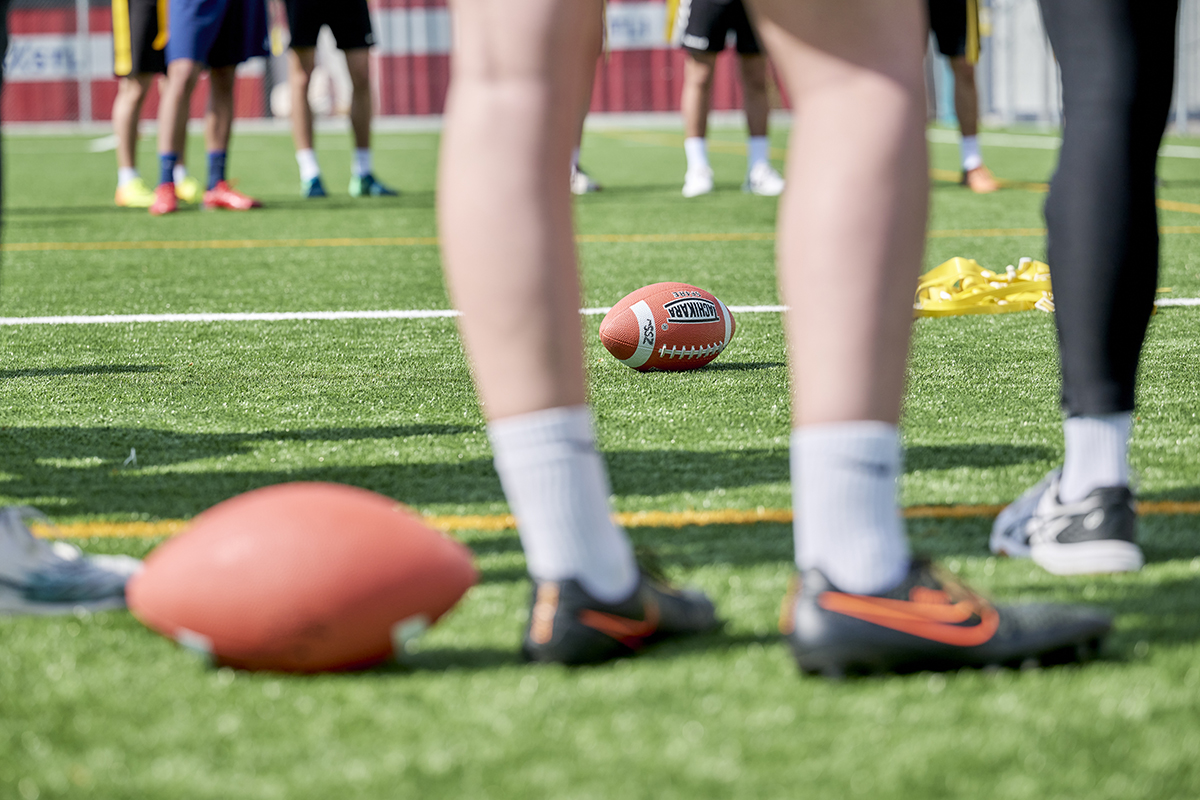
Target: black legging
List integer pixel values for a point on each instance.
(1118, 62)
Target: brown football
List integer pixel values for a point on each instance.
(667, 326)
(301, 577)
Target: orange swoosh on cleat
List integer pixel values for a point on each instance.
(628, 632)
(929, 619)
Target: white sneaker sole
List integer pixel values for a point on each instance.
(12, 604)
(1088, 558)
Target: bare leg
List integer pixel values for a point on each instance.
(511, 118)
(596, 46)
(358, 62)
(698, 70)
(754, 90)
(858, 149)
(182, 75)
(966, 95)
(218, 122)
(126, 112)
(300, 67)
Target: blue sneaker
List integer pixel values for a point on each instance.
(313, 188)
(41, 577)
(367, 186)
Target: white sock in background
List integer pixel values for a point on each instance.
(362, 162)
(847, 523)
(557, 486)
(1097, 454)
(758, 149)
(696, 150)
(125, 175)
(575, 158)
(306, 159)
(179, 173)
(971, 157)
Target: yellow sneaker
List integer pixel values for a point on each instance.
(188, 190)
(135, 194)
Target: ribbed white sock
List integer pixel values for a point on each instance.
(125, 175)
(306, 159)
(696, 150)
(971, 157)
(362, 162)
(1097, 454)
(179, 172)
(557, 486)
(847, 523)
(758, 149)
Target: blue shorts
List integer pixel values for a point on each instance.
(219, 33)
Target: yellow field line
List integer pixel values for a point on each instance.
(1175, 205)
(629, 519)
(586, 238)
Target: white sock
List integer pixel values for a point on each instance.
(847, 523)
(557, 486)
(362, 162)
(696, 150)
(179, 173)
(126, 175)
(758, 149)
(1097, 454)
(971, 157)
(575, 158)
(306, 159)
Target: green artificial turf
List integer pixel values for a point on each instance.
(98, 706)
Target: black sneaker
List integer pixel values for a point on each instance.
(1096, 534)
(569, 626)
(929, 622)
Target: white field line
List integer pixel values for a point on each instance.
(282, 316)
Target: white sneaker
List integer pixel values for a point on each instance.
(40, 577)
(763, 180)
(581, 182)
(1097, 534)
(697, 182)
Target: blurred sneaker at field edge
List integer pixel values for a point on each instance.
(43, 577)
(134, 193)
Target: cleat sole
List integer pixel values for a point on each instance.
(1088, 558)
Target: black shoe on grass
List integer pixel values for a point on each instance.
(569, 626)
(929, 622)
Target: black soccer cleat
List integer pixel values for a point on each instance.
(569, 626)
(929, 622)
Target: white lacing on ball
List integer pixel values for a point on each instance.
(691, 352)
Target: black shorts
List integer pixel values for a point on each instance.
(706, 23)
(137, 47)
(349, 20)
(950, 22)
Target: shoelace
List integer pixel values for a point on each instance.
(961, 286)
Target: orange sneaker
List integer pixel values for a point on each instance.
(164, 200)
(225, 196)
(980, 180)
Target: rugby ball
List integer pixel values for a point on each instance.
(301, 577)
(667, 326)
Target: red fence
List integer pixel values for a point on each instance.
(51, 67)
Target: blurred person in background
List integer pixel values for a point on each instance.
(219, 35)
(955, 26)
(350, 23)
(138, 44)
(701, 27)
